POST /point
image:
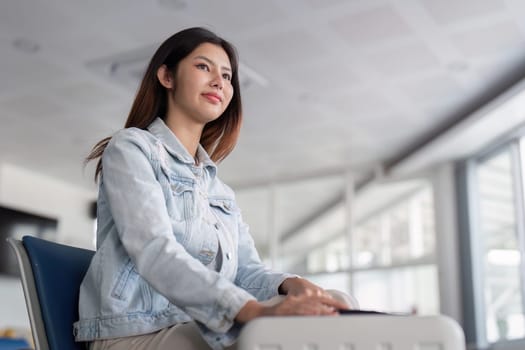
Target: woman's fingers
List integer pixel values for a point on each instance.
(316, 310)
(308, 305)
(327, 299)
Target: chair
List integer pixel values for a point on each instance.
(51, 274)
(352, 332)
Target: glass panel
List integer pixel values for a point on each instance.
(371, 243)
(339, 281)
(300, 216)
(309, 215)
(411, 290)
(500, 250)
(425, 202)
(331, 257)
(254, 204)
(398, 234)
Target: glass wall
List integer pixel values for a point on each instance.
(392, 258)
(387, 259)
(499, 194)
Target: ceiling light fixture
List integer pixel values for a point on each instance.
(25, 45)
(458, 66)
(177, 5)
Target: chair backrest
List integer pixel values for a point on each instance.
(51, 274)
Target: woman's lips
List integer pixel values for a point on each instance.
(214, 98)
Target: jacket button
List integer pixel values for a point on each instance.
(216, 225)
(228, 256)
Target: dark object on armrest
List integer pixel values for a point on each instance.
(361, 312)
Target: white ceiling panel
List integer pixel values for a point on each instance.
(496, 39)
(404, 60)
(277, 50)
(446, 12)
(433, 90)
(361, 29)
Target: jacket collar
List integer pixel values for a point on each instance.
(174, 147)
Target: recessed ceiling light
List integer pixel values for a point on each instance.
(178, 5)
(25, 45)
(458, 66)
(308, 97)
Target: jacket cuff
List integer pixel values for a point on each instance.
(230, 304)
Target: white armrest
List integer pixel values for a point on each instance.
(352, 332)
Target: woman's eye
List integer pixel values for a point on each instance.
(203, 67)
(226, 76)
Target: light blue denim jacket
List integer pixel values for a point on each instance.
(163, 224)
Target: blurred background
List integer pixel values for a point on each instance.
(382, 149)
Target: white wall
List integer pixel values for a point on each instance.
(27, 191)
(447, 241)
(13, 313)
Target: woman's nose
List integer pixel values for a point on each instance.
(217, 82)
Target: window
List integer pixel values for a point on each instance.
(493, 219)
(399, 234)
(393, 261)
(388, 263)
(499, 194)
(411, 289)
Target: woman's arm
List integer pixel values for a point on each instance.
(302, 296)
(252, 274)
(140, 214)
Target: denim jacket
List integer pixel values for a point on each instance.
(171, 244)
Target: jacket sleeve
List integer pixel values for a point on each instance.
(252, 274)
(141, 217)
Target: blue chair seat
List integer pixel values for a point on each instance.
(51, 275)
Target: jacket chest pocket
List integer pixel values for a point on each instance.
(183, 192)
(225, 210)
(224, 206)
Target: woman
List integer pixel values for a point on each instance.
(175, 265)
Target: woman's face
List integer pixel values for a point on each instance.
(203, 86)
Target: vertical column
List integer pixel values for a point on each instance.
(415, 228)
(349, 211)
(447, 236)
(273, 235)
(518, 167)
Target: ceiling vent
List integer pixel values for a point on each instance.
(128, 68)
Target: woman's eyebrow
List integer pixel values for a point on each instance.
(212, 63)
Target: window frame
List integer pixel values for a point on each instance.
(474, 308)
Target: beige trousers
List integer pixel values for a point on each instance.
(178, 337)
(185, 336)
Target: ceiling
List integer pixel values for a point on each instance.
(345, 84)
(329, 85)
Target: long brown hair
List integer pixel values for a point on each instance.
(219, 136)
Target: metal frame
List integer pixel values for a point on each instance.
(30, 294)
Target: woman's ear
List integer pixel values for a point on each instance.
(165, 77)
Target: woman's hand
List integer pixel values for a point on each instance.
(300, 286)
(304, 299)
(305, 305)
